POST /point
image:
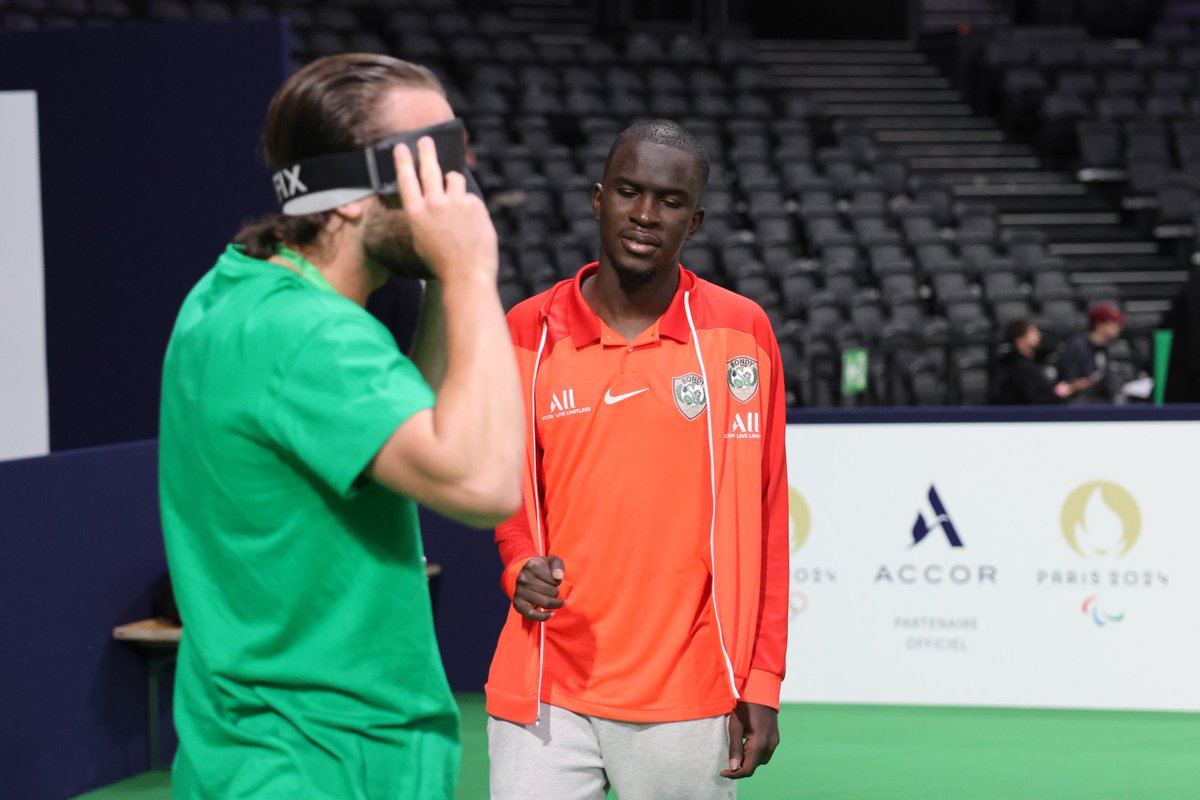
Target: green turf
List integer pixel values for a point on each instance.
(907, 753)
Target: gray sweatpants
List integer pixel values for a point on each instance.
(569, 756)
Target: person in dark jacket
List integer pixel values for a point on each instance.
(1083, 362)
(1019, 379)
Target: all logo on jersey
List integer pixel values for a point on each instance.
(745, 425)
(562, 401)
(562, 404)
(688, 391)
(742, 375)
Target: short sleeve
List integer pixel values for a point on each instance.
(342, 394)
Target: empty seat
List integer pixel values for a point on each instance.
(1145, 138)
(1123, 82)
(898, 284)
(977, 253)
(976, 221)
(1060, 114)
(951, 284)
(1146, 172)
(365, 42)
(925, 382)
(1178, 199)
(963, 309)
(513, 50)
(1166, 106)
(1000, 282)
(1118, 108)
(970, 376)
(868, 226)
(933, 256)
(1170, 82)
(1151, 58)
(842, 285)
(1009, 305)
(866, 312)
(918, 224)
(1100, 144)
(1081, 83)
(824, 312)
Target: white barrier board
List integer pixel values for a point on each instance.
(24, 404)
(999, 564)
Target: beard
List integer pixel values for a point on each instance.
(632, 279)
(387, 242)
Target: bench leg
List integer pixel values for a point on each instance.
(154, 669)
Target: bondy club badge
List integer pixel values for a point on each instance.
(742, 374)
(688, 391)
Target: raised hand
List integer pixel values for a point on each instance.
(451, 229)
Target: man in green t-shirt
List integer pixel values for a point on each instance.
(295, 443)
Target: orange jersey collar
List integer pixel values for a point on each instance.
(585, 327)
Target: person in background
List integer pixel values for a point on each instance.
(1018, 377)
(1083, 362)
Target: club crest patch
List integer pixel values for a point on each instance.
(742, 374)
(688, 391)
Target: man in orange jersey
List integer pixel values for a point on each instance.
(648, 568)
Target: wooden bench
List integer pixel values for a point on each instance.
(157, 640)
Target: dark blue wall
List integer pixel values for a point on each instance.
(469, 606)
(150, 162)
(82, 552)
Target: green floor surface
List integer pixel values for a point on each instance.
(834, 752)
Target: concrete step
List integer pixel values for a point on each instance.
(1147, 306)
(838, 45)
(978, 149)
(1003, 177)
(1032, 199)
(768, 56)
(879, 71)
(939, 137)
(1103, 248)
(1051, 194)
(1043, 220)
(903, 110)
(907, 96)
(1083, 278)
(973, 163)
(800, 78)
(910, 122)
(1110, 262)
(1085, 234)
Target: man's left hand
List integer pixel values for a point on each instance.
(753, 737)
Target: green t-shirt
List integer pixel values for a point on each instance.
(309, 667)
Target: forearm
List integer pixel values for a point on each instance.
(477, 418)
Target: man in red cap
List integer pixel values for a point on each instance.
(1084, 361)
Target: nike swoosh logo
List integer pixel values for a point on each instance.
(611, 399)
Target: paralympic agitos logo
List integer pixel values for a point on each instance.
(935, 572)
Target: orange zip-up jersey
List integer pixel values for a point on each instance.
(660, 480)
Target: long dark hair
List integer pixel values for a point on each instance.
(328, 106)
